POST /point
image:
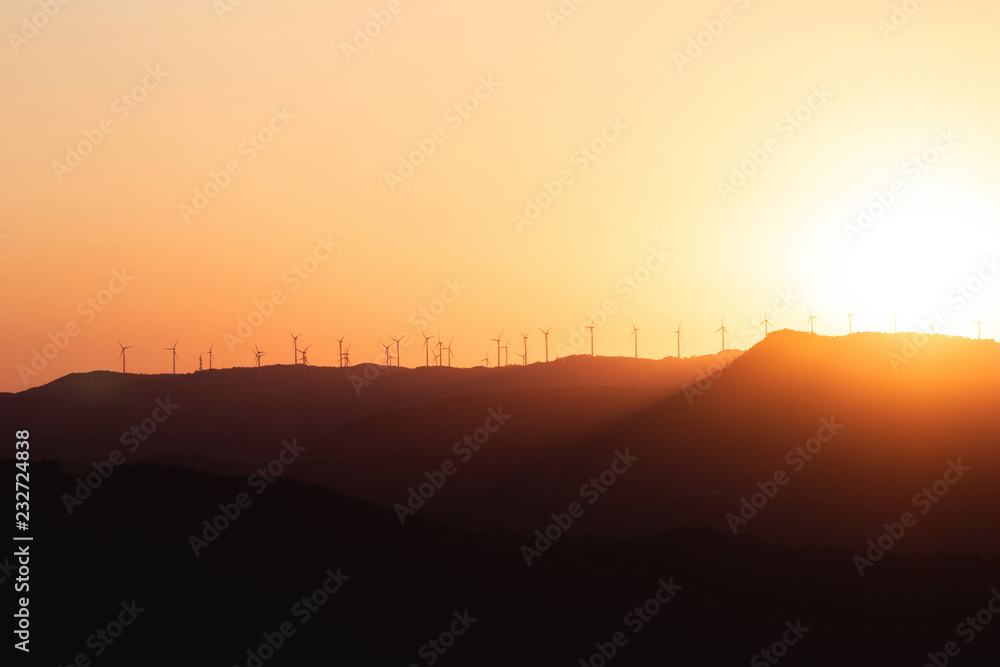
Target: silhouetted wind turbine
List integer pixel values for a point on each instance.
(388, 355)
(340, 344)
(305, 360)
(546, 332)
(591, 327)
(506, 353)
(486, 359)
(811, 318)
(448, 347)
(440, 352)
(427, 348)
(257, 355)
(295, 346)
(678, 332)
(723, 330)
(174, 355)
(978, 323)
(209, 353)
(498, 339)
(850, 321)
(635, 333)
(765, 323)
(347, 356)
(396, 340)
(121, 355)
(525, 355)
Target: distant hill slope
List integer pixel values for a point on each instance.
(704, 450)
(230, 417)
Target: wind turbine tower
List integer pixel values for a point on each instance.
(121, 355)
(723, 330)
(174, 355)
(546, 332)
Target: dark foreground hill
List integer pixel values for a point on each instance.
(126, 552)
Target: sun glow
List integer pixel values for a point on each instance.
(915, 255)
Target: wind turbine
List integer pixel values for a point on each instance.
(765, 323)
(448, 347)
(174, 350)
(978, 323)
(396, 340)
(440, 353)
(635, 333)
(506, 353)
(486, 359)
(305, 361)
(546, 332)
(295, 345)
(678, 332)
(209, 353)
(525, 355)
(257, 355)
(591, 327)
(347, 356)
(340, 343)
(811, 318)
(427, 348)
(122, 354)
(497, 339)
(388, 355)
(723, 330)
(850, 321)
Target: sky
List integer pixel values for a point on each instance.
(220, 173)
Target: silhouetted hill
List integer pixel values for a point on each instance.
(230, 417)
(130, 541)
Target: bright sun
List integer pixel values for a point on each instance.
(928, 252)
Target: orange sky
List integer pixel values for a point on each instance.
(308, 129)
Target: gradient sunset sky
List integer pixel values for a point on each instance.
(883, 99)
